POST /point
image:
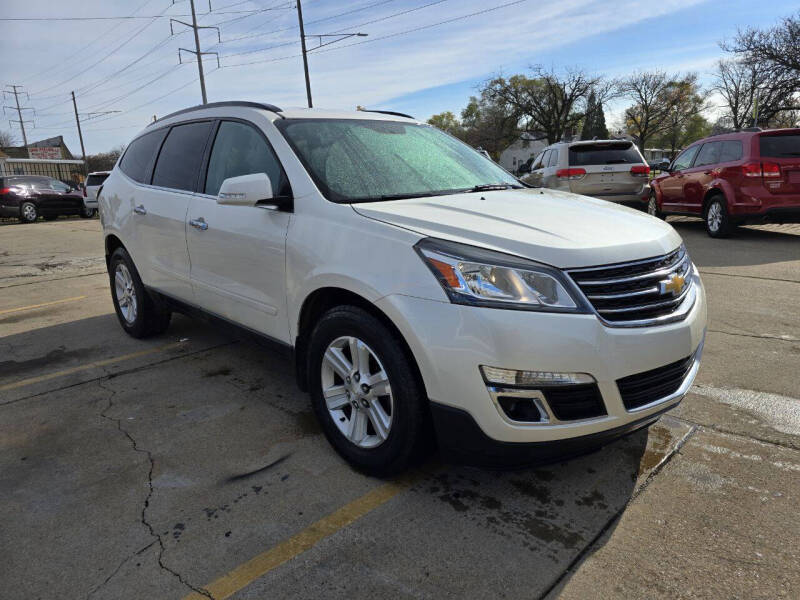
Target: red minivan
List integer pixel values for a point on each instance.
(751, 176)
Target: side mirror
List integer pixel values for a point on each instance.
(245, 190)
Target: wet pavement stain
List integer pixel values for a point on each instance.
(60, 354)
(532, 489)
(594, 498)
(222, 371)
(660, 439)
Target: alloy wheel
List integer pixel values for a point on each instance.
(29, 212)
(357, 392)
(126, 293)
(714, 216)
(652, 207)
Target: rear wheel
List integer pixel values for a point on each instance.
(87, 213)
(365, 393)
(652, 207)
(28, 213)
(139, 314)
(718, 223)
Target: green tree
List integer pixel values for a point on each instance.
(684, 122)
(594, 122)
(447, 121)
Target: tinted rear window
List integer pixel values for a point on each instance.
(179, 161)
(139, 156)
(603, 154)
(780, 146)
(96, 179)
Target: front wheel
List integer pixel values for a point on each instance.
(139, 314)
(718, 223)
(652, 207)
(365, 393)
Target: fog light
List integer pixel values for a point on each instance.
(498, 376)
(523, 410)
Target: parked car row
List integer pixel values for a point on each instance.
(750, 176)
(28, 197)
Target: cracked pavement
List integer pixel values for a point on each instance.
(135, 469)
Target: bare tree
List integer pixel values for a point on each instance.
(7, 138)
(548, 102)
(777, 46)
(747, 85)
(650, 110)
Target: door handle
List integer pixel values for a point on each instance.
(199, 224)
(140, 210)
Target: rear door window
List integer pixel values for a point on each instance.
(553, 160)
(239, 149)
(139, 156)
(709, 154)
(731, 151)
(779, 146)
(604, 154)
(179, 161)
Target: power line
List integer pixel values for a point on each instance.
(15, 91)
(125, 17)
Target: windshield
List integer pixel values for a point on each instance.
(355, 160)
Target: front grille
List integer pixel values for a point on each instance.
(572, 402)
(632, 291)
(650, 386)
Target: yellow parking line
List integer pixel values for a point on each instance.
(260, 565)
(99, 363)
(32, 306)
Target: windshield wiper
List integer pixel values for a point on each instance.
(488, 187)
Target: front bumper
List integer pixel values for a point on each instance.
(451, 341)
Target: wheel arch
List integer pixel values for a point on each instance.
(715, 190)
(112, 242)
(318, 303)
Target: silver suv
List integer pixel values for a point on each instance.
(612, 170)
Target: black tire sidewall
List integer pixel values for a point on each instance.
(22, 217)
(405, 437)
(139, 326)
(724, 226)
(87, 213)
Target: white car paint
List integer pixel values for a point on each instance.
(257, 267)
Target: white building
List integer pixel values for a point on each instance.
(520, 151)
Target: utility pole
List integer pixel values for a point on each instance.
(195, 27)
(339, 37)
(19, 109)
(305, 53)
(80, 134)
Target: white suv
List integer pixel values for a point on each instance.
(422, 288)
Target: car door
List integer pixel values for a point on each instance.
(238, 253)
(160, 209)
(672, 186)
(699, 176)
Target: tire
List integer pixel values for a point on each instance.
(28, 212)
(718, 223)
(87, 213)
(138, 313)
(382, 450)
(652, 207)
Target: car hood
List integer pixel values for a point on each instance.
(557, 228)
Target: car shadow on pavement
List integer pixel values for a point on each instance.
(185, 404)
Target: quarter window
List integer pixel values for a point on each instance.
(685, 159)
(731, 150)
(180, 157)
(241, 150)
(553, 160)
(139, 156)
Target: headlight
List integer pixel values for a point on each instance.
(480, 277)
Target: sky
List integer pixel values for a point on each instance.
(419, 56)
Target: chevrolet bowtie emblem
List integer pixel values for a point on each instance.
(673, 285)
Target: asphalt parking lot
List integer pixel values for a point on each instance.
(190, 465)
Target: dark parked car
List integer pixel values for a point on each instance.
(28, 197)
(750, 176)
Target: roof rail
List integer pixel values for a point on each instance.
(388, 112)
(242, 103)
(752, 129)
